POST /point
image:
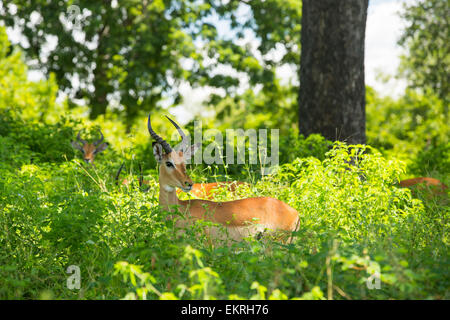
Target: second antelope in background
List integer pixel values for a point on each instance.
(89, 150)
(433, 185)
(238, 218)
(207, 190)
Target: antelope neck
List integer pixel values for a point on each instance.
(168, 196)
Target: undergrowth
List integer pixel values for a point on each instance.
(355, 224)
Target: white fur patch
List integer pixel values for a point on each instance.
(169, 188)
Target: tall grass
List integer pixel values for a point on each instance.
(354, 223)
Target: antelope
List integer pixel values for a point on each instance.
(199, 190)
(436, 186)
(89, 150)
(206, 190)
(240, 218)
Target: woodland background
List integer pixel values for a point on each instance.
(130, 58)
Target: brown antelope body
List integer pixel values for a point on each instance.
(423, 183)
(89, 150)
(206, 190)
(199, 190)
(240, 218)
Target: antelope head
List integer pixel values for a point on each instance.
(172, 173)
(89, 150)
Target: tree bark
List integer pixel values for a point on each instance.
(332, 89)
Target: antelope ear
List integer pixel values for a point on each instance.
(102, 147)
(190, 151)
(157, 151)
(76, 145)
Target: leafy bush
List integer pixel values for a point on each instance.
(296, 145)
(432, 161)
(33, 100)
(354, 222)
(46, 142)
(408, 128)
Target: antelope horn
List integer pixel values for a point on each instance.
(79, 138)
(157, 138)
(185, 141)
(100, 140)
(116, 179)
(141, 177)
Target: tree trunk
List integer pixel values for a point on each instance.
(332, 89)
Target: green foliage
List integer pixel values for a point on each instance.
(426, 65)
(122, 49)
(274, 106)
(23, 107)
(412, 128)
(46, 142)
(294, 146)
(354, 221)
(433, 160)
(17, 94)
(291, 146)
(274, 22)
(129, 56)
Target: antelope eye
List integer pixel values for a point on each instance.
(169, 164)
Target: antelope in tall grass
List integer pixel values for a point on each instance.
(424, 183)
(207, 190)
(89, 150)
(240, 218)
(199, 190)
